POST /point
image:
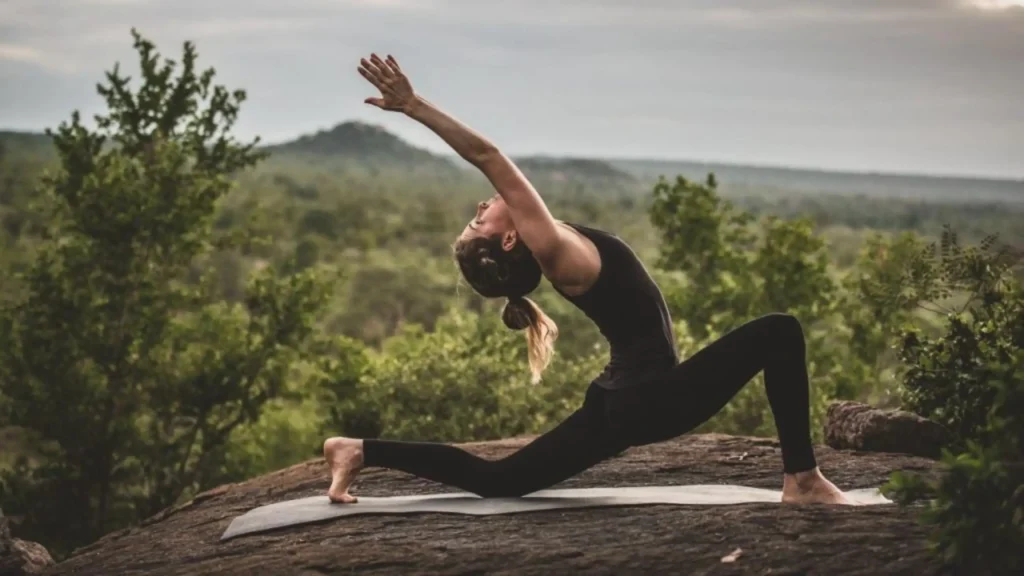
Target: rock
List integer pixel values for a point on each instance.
(18, 557)
(24, 557)
(775, 539)
(856, 426)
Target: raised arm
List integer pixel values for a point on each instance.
(533, 221)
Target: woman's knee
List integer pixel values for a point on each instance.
(497, 485)
(786, 322)
(784, 328)
(493, 479)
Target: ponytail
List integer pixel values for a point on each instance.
(541, 331)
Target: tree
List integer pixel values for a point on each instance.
(129, 377)
(969, 378)
(465, 380)
(735, 268)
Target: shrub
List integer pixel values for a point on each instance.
(970, 378)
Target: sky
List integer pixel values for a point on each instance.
(919, 86)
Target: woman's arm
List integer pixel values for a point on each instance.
(533, 221)
(530, 214)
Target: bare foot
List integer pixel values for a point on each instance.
(811, 487)
(345, 457)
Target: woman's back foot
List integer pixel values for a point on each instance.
(811, 487)
(344, 456)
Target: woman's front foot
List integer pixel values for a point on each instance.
(345, 458)
(811, 487)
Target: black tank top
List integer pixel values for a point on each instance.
(630, 311)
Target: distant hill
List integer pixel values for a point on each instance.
(357, 147)
(367, 144)
(26, 144)
(594, 175)
(763, 181)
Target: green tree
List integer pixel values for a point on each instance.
(130, 378)
(970, 378)
(982, 302)
(465, 380)
(873, 315)
(734, 268)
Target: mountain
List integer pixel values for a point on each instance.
(26, 144)
(593, 175)
(367, 144)
(356, 147)
(744, 180)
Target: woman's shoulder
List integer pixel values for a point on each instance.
(604, 239)
(591, 232)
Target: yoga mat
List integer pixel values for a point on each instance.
(318, 508)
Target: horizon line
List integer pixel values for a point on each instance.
(449, 154)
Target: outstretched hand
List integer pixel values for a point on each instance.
(396, 92)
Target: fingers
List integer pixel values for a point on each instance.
(384, 70)
(393, 64)
(368, 72)
(383, 74)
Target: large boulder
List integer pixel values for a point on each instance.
(772, 538)
(17, 556)
(856, 426)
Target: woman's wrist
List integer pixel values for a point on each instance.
(414, 106)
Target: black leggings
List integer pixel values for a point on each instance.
(612, 420)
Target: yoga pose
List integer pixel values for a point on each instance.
(644, 395)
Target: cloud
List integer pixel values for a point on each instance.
(241, 27)
(805, 79)
(19, 53)
(28, 55)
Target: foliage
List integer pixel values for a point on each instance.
(467, 380)
(179, 281)
(130, 378)
(948, 376)
(874, 316)
(976, 506)
(970, 378)
(736, 268)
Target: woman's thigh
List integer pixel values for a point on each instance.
(691, 393)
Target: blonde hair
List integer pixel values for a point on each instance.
(523, 313)
(494, 272)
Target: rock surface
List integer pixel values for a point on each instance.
(856, 426)
(18, 557)
(774, 539)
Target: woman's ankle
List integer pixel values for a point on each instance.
(804, 480)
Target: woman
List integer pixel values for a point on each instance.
(644, 395)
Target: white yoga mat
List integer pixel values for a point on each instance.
(318, 508)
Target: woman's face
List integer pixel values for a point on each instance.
(492, 219)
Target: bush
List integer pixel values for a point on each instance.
(130, 378)
(949, 377)
(976, 504)
(970, 378)
(466, 380)
(732, 268)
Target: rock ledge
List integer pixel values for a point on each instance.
(774, 539)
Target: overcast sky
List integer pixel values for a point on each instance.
(933, 86)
